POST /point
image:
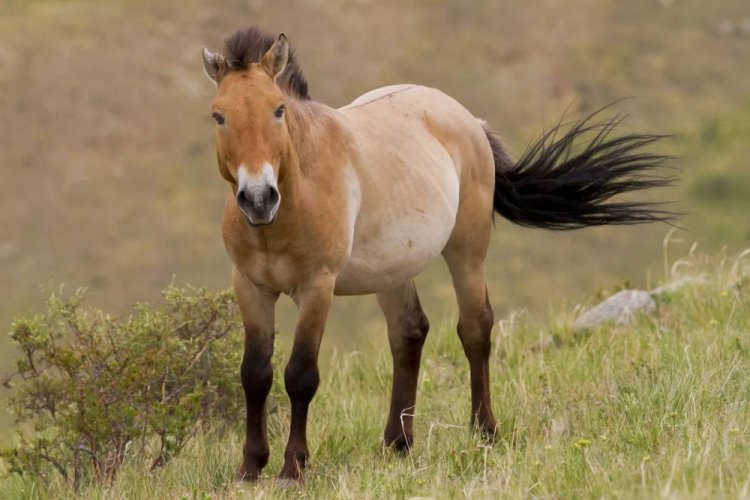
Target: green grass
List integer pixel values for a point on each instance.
(657, 408)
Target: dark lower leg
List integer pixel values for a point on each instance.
(407, 330)
(301, 379)
(399, 432)
(481, 406)
(257, 377)
(301, 376)
(406, 341)
(475, 337)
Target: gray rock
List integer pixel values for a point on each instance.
(620, 308)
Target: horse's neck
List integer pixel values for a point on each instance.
(316, 137)
(313, 130)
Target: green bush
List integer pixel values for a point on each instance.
(89, 390)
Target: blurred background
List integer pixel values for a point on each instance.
(108, 177)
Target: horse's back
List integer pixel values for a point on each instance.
(409, 113)
(415, 148)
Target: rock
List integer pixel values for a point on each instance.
(620, 308)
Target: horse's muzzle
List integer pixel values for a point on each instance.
(259, 204)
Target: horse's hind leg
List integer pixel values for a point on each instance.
(407, 330)
(465, 255)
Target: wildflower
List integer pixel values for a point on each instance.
(582, 443)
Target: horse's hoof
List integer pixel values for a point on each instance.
(488, 432)
(401, 445)
(294, 467)
(247, 474)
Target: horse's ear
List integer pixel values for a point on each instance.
(214, 64)
(274, 61)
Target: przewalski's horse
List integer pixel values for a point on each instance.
(358, 200)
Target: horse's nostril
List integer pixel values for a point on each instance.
(273, 195)
(241, 196)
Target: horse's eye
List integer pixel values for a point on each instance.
(218, 118)
(279, 111)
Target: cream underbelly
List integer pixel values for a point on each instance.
(381, 262)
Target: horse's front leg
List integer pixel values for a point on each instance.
(257, 309)
(301, 376)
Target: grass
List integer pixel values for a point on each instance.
(656, 408)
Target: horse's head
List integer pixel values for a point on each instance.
(251, 130)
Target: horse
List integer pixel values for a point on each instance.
(358, 200)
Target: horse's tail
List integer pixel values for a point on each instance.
(554, 187)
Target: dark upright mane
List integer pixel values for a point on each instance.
(248, 46)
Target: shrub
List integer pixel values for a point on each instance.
(90, 388)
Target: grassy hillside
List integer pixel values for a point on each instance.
(657, 408)
(106, 154)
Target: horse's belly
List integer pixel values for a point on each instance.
(389, 254)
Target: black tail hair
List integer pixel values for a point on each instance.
(554, 187)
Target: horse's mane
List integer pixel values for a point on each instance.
(246, 46)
